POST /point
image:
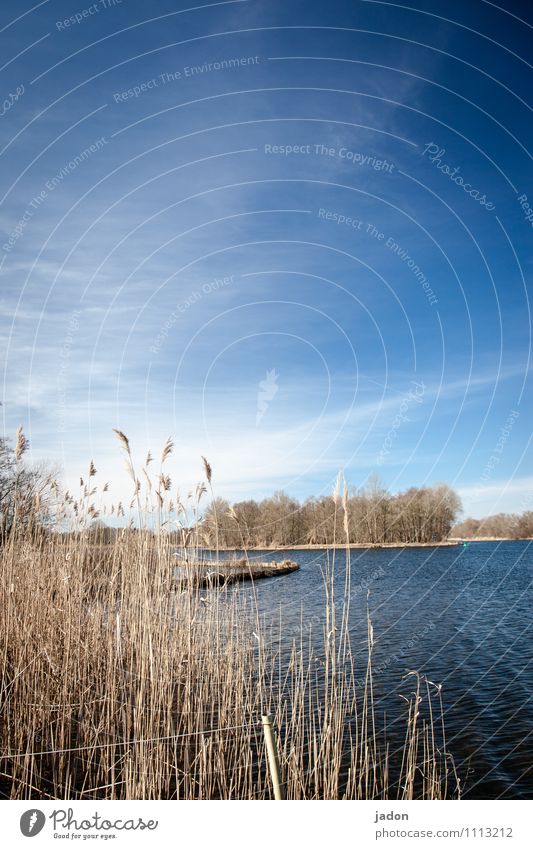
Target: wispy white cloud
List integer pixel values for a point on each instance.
(499, 496)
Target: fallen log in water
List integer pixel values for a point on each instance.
(226, 572)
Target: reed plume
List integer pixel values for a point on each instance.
(207, 469)
(21, 444)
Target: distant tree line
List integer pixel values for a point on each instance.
(506, 525)
(29, 496)
(420, 514)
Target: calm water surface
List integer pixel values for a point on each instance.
(460, 615)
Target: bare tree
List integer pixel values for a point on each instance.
(501, 526)
(26, 492)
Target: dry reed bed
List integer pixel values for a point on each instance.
(116, 683)
(137, 690)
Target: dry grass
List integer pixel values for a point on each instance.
(116, 683)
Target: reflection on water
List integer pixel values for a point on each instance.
(460, 615)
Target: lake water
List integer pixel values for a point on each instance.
(460, 615)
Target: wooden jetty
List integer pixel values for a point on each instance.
(223, 572)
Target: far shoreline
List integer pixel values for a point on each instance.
(340, 546)
(449, 543)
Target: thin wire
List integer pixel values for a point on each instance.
(123, 743)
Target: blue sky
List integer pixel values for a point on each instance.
(243, 224)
